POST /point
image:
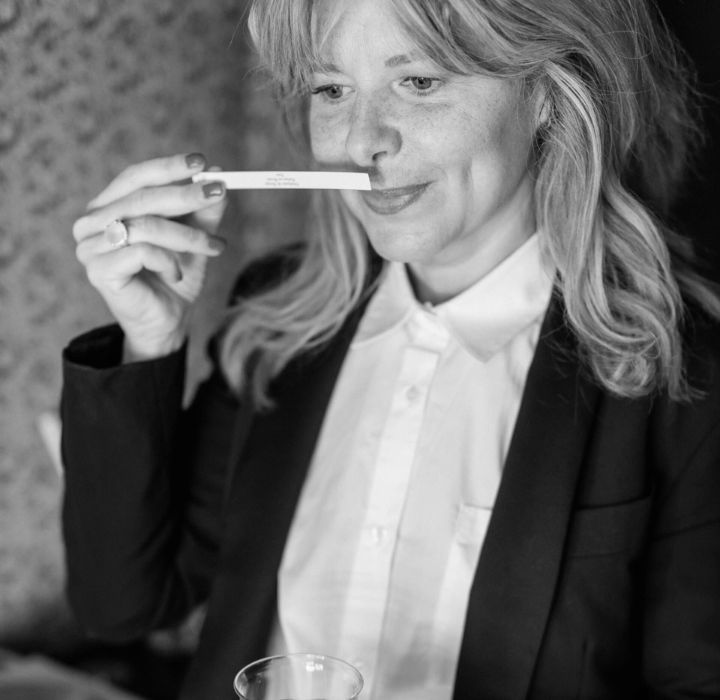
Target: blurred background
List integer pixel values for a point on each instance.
(87, 87)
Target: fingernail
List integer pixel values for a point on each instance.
(195, 160)
(217, 244)
(213, 189)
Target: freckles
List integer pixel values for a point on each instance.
(496, 110)
(495, 126)
(436, 132)
(327, 135)
(463, 137)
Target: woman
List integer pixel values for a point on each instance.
(465, 436)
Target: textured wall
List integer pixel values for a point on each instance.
(87, 87)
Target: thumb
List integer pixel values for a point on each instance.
(208, 219)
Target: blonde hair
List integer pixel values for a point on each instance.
(610, 152)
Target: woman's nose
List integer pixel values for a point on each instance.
(371, 136)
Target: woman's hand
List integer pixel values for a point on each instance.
(150, 282)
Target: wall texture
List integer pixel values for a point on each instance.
(87, 87)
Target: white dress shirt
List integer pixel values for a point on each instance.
(387, 534)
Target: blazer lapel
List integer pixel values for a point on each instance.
(516, 576)
(270, 470)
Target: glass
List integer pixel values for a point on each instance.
(298, 677)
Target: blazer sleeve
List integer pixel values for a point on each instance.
(145, 480)
(144, 484)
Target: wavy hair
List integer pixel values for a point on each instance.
(613, 144)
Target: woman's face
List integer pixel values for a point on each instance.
(447, 154)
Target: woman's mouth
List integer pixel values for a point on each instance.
(393, 200)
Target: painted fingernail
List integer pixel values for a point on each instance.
(213, 189)
(195, 161)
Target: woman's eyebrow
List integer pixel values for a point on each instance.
(392, 62)
(399, 60)
(403, 58)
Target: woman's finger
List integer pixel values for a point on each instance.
(150, 173)
(168, 201)
(209, 218)
(157, 231)
(112, 271)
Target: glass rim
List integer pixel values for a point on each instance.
(360, 681)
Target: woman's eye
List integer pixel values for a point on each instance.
(421, 85)
(329, 92)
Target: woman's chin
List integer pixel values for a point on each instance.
(399, 246)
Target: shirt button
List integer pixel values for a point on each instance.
(377, 535)
(412, 394)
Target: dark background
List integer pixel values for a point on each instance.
(697, 24)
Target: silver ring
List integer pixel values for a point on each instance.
(116, 234)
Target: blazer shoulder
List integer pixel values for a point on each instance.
(259, 275)
(683, 425)
(701, 349)
(267, 271)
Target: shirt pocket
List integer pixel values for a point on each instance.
(606, 530)
(471, 524)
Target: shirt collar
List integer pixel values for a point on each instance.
(484, 317)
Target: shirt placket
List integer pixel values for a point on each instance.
(372, 567)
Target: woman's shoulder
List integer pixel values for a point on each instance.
(701, 348)
(698, 415)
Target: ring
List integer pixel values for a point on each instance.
(116, 234)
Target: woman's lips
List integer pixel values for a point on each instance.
(393, 200)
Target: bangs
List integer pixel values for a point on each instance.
(284, 34)
(291, 37)
(463, 36)
(434, 28)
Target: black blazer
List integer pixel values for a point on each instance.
(599, 576)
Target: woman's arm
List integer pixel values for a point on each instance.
(144, 486)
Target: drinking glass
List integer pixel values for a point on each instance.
(298, 677)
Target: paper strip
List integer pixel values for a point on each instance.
(292, 180)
